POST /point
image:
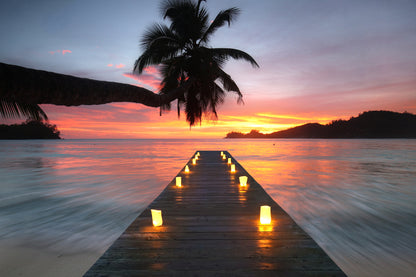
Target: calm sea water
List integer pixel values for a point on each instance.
(356, 198)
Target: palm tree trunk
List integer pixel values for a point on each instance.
(20, 84)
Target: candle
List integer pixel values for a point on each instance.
(157, 217)
(265, 215)
(243, 181)
(179, 182)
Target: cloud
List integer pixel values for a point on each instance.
(150, 78)
(120, 65)
(152, 70)
(65, 51)
(110, 65)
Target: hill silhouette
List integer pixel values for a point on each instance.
(370, 124)
(31, 129)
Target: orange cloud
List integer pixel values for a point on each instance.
(110, 65)
(120, 65)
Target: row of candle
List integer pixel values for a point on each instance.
(157, 214)
(265, 216)
(265, 211)
(232, 166)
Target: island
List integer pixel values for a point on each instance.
(31, 129)
(370, 124)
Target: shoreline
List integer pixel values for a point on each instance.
(17, 260)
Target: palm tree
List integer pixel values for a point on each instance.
(182, 52)
(189, 68)
(23, 89)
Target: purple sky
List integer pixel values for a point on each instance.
(330, 58)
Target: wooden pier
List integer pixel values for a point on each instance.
(211, 228)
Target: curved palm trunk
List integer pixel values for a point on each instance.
(20, 84)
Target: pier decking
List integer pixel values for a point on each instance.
(211, 228)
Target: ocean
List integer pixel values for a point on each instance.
(355, 197)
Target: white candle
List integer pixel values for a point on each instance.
(179, 181)
(243, 181)
(157, 217)
(265, 215)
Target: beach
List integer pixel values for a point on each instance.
(24, 261)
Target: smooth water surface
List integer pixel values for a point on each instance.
(356, 198)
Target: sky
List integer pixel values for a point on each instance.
(320, 60)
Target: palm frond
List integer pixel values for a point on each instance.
(156, 32)
(225, 16)
(187, 19)
(14, 109)
(226, 53)
(155, 56)
(227, 82)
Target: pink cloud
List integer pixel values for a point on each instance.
(147, 80)
(60, 51)
(152, 70)
(110, 65)
(120, 65)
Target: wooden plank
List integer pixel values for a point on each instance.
(211, 228)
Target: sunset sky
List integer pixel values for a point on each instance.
(319, 60)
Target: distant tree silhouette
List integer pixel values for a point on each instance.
(371, 124)
(182, 52)
(31, 129)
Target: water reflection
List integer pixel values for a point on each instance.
(356, 198)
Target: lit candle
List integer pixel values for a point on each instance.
(265, 215)
(157, 217)
(232, 167)
(243, 181)
(224, 157)
(222, 153)
(186, 168)
(193, 161)
(179, 182)
(229, 161)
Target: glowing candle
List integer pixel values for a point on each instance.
(224, 157)
(198, 154)
(186, 168)
(222, 153)
(229, 161)
(193, 161)
(232, 167)
(179, 182)
(243, 181)
(265, 215)
(157, 217)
